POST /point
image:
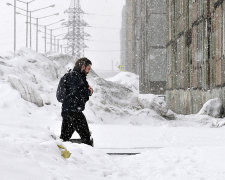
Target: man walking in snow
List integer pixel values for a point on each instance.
(76, 95)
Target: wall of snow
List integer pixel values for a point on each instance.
(27, 92)
(31, 74)
(36, 78)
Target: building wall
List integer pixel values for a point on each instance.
(195, 53)
(123, 38)
(130, 38)
(156, 39)
(146, 38)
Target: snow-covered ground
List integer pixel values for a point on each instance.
(172, 146)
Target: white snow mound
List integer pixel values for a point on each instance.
(36, 78)
(213, 107)
(128, 79)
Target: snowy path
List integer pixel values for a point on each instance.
(167, 153)
(187, 153)
(128, 136)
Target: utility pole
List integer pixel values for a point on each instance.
(37, 35)
(45, 39)
(27, 25)
(14, 27)
(50, 40)
(45, 31)
(27, 14)
(57, 45)
(30, 32)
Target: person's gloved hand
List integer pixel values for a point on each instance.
(90, 88)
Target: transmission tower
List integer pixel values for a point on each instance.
(76, 34)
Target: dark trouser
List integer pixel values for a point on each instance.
(75, 121)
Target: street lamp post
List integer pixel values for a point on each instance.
(27, 25)
(50, 40)
(58, 46)
(27, 12)
(14, 27)
(37, 20)
(27, 17)
(37, 25)
(36, 34)
(45, 27)
(45, 39)
(30, 33)
(15, 7)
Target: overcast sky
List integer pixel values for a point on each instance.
(104, 17)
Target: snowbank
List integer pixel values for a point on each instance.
(28, 151)
(127, 79)
(117, 98)
(27, 92)
(32, 74)
(213, 107)
(156, 103)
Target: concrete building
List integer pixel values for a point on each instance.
(123, 38)
(146, 38)
(127, 37)
(153, 66)
(195, 53)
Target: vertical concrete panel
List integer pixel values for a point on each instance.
(223, 45)
(218, 43)
(194, 57)
(194, 11)
(213, 53)
(187, 102)
(182, 100)
(205, 70)
(182, 70)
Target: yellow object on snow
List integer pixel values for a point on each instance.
(64, 152)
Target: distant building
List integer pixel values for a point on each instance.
(123, 38)
(153, 66)
(146, 37)
(195, 53)
(130, 62)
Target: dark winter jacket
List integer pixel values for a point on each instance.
(77, 92)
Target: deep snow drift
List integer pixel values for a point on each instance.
(36, 77)
(184, 148)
